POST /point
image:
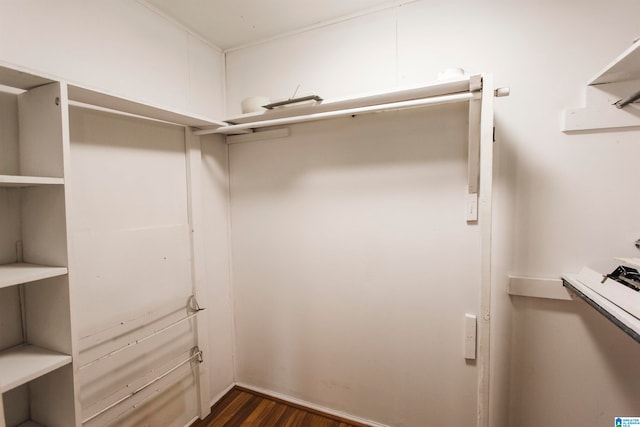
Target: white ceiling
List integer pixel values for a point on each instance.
(232, 23)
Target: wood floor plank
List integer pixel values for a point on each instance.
(273, 417)
(230, 410)
(256, 418)
(245, 408)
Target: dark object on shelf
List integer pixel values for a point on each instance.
(292, 101)
(625, 275)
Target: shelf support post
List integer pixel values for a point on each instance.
(193, 148)
(473, 167)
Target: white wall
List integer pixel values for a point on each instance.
(545, 51)
(354, 266)
(116, 46)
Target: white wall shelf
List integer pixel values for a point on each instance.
(536, 287)
(14, 274)
(624, 68)
(24, 363)
(583, 285)
(617, 81)
(119, 105)
(28, 181)
(450, 90)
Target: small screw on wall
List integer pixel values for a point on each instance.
(57, 101)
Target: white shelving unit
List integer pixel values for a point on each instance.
(36, 353)
(40, 351)
(617, 81)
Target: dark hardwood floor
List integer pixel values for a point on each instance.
(242, 407)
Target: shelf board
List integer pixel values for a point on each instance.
(21, 79)
(438, 88)
(21, 364)
(28, 181)
(117, 104)
(583, 285)
(625, 67)
(14, 274)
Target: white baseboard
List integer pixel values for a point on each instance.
(221, 395)
(309, 405)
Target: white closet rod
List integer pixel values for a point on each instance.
(196, 353)
(241, 128)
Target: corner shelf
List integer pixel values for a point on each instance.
(624, 68)
(24, 363)
(583, 285)
(28, 181)
(618, 80)
(14, 274)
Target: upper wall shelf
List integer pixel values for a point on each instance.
(21, 80)
(120, 105)
(87, 97)
(624, 68)
(610, 96)
(450, 90)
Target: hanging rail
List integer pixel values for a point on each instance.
(193, 305)
(196, 353)
(414, 103)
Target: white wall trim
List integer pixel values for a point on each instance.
(220, 395)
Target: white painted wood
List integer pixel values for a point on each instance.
(538, 287)
(625, 298)
(169, 62)
(131, 246)
(624, 67)
(51, 398)
(217, 244)
(44, 228)
(24, 363)
(47, 314)
(120, 104)
(609, 301)
(40, 112)
(9, 145)
(20, 78)
(631, 262)
(2, 415)
(398, 94)
(28, 181)
(258, 136)
(485, 219)
(474, 146)
(415, 103)
(470, 336)
(193, 149)
(14, 274)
